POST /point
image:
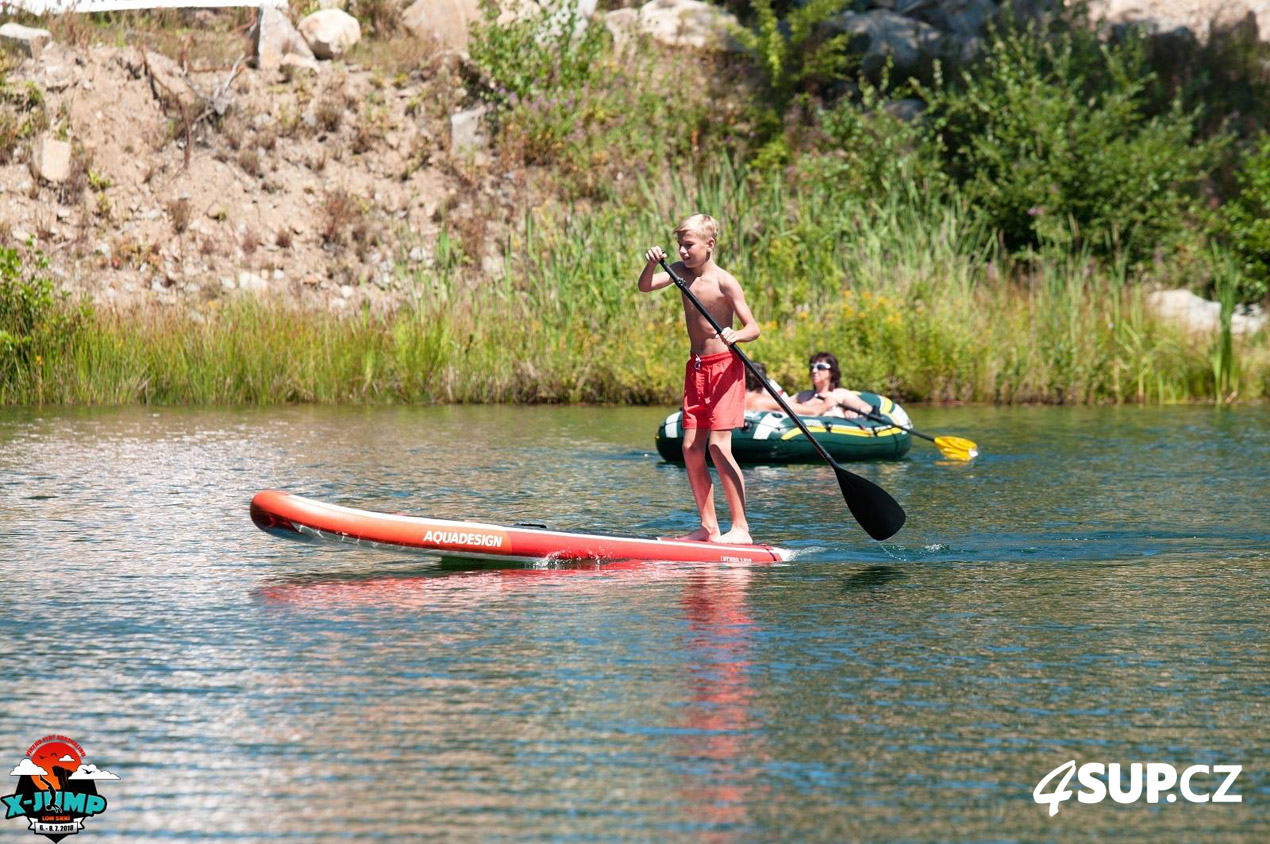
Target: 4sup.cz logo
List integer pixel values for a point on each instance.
(1153, 781)
(56, 788)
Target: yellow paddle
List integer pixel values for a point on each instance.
(954, 448)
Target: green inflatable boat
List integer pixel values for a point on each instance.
(769, 436)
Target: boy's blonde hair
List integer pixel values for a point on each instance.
(699, 224)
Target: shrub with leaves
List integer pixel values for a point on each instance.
(36, 324)
(868, 147)
(22, 115)
(1244, 223)
(537, 53)
(1050, 136)
(797, 53)
(567, 100)
(795, 56)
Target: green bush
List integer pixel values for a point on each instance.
(1049, 136)
(537, 54)
(596, 138)
(568, 101)
(22, 115)
(1244, 223)
(798, 53)
(36, 324)
(867, 148)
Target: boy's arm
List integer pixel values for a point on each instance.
(736, 298)
(648, 280)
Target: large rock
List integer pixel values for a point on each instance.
(52, 159)
(1199, 315)
(330, 33)
(880, 34)
(444, 21)
(449, 22)
(467, 130)
(274, 38)
(622, 24)
(965, 18)
(26, 40)
(1198, 17)
(686, 23)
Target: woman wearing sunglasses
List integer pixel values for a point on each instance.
(827, 396)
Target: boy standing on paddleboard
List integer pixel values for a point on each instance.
(714, 383)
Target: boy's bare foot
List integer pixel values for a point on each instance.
(700, 535)
(736, 536)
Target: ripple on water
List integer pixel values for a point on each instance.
(1083, 590)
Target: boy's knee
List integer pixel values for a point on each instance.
(721, 453)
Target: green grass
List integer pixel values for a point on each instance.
(912, 295)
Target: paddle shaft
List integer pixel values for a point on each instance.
(954, 447)
(877, 417)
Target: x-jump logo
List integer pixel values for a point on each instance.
(56, 790)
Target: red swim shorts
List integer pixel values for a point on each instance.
(714, 392)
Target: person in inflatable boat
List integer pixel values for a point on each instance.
(756, 396)
(827, 396)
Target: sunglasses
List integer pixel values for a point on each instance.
(820, 366)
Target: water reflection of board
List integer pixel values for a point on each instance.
(288, 515)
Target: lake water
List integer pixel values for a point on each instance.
(1093, 588)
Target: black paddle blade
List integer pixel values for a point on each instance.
(878, 513)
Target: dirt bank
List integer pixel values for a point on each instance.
(194, 176)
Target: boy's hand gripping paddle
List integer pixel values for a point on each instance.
(878, 513)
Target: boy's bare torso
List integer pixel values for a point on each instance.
(709, 290)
